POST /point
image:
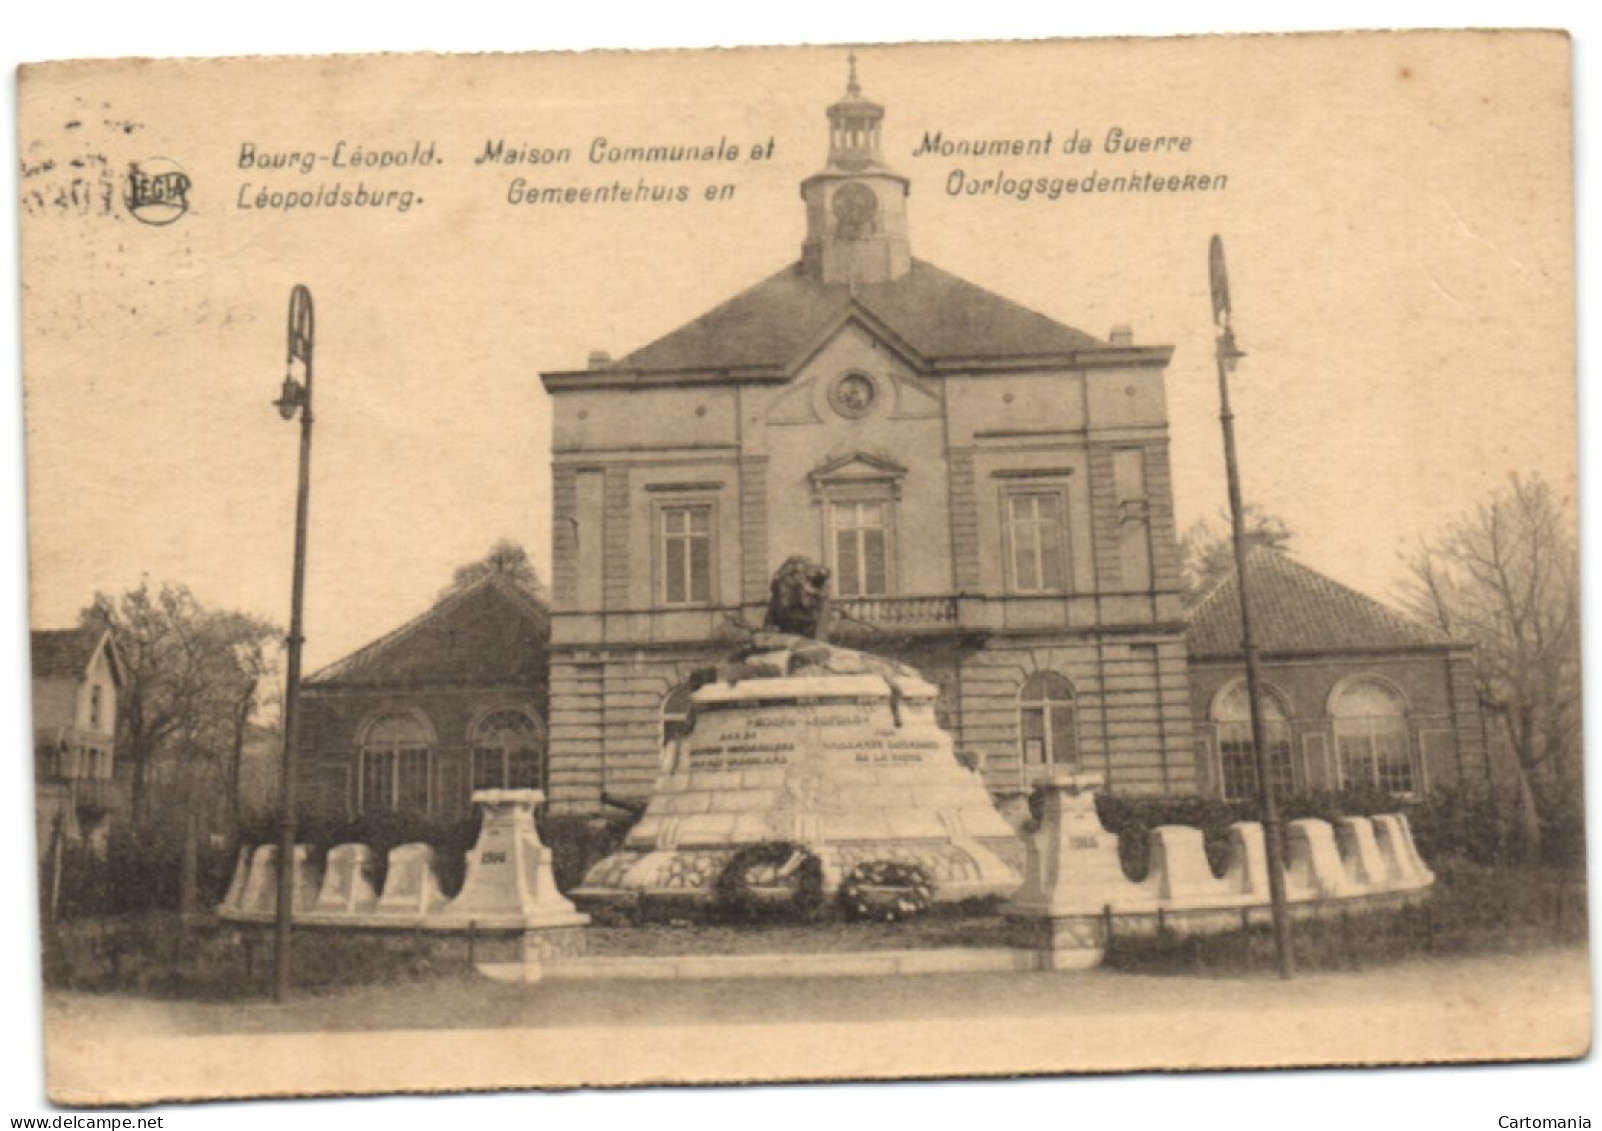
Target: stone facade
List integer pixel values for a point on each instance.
(990, 489)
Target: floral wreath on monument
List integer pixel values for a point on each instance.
(747, 885)
(886, 890)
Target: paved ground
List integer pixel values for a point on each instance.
(480, 1004)
(472, 1033)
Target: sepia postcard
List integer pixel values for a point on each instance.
(803, 564)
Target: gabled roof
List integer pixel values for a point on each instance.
(491, 633)
(65, 653)
(935, 313)
(1297, 609)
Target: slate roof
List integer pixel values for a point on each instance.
(491, 633)
(934, 312)
(64, 653)
(1297, 609)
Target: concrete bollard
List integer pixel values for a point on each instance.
(411, 886)
(1403, 867)
(347, 884)
(235, 899)
(1365, 866)
(1248, 861)
(1313, 864)
(261, 883)
(1179, 869)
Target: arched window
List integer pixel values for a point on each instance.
(1048, 726)
(675, 714)
(1237, 759)
(395, 764)
(508, 750)
(1371, 736)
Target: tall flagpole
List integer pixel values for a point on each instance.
(1273, 828)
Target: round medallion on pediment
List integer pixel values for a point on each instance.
(854, 395)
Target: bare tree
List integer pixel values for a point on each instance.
(1207, 550)
(506, 559)
(1505, 576)
(191, 676)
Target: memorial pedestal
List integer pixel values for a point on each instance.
(1072, 874)
(509, 882)
(842, 756)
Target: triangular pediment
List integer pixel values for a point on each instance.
(855, 468)
(854, 344)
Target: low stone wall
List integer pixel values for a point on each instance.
(508, 886)
(1075, 891)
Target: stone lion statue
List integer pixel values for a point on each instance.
(798, 599)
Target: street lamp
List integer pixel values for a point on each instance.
(1229, 355)
(295, 397)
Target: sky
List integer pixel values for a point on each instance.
(393, 574)
(1397, 230)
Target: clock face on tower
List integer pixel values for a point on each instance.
(856, 211)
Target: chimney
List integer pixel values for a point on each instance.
(600, 359)
(1121, 335)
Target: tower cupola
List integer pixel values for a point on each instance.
(856, 207)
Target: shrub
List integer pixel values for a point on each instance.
(134, 874)
(577, 844)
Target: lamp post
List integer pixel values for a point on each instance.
(296, 397)
(1273, 830)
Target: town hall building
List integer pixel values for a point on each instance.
(989, 487)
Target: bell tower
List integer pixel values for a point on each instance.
(856, 207)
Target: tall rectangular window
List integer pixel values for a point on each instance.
(1035, 541)
(860, 535)
(687, 555)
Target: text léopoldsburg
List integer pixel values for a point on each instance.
(344, 155)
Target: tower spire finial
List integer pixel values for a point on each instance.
(853, 88)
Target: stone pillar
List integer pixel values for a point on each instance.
(1072, 875)
(509, 882)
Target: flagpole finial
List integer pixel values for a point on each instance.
(853, 88)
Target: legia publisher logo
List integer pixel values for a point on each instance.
(157, 191)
